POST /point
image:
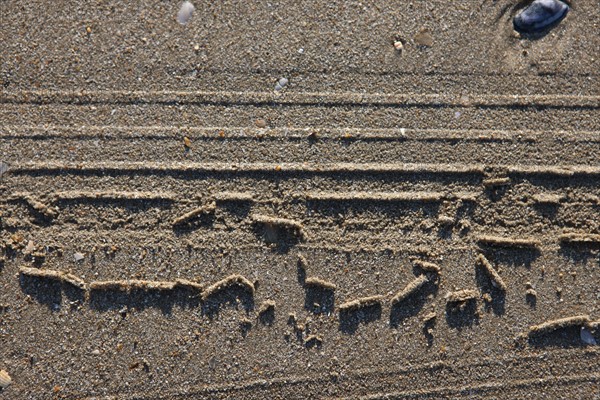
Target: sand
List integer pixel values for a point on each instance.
(162, 185)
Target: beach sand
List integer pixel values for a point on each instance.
(172, 226)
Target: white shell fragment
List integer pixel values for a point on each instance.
(3, 168)
(5, 379)
(281, 84)
(78, 256)
(185, 12)
(587, 337)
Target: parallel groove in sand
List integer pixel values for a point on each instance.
(167, 132)
(415, 370)
(121, 168)
(301, 98)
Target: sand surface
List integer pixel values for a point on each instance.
(389, 224)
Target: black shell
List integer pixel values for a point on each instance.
(539, 15)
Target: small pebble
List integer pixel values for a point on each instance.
(281, 84)
(78, 256)
(185, 12)
(29, 248)
(260, 123)
(399, 46)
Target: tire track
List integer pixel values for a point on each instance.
(438, 372)
(321, 99)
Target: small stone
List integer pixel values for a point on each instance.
(96, 352)
(185, 12)
(260, 123)
(78, 256)
(281, 84)
(399, 46)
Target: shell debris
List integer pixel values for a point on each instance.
(399, 46)
(3, 168)
(5, 379)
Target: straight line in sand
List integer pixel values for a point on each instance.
(135, 284)
(122, 167)
(319, 284)
(426, 197)
(450, 391)
(363, 302)
(159, 167)
(196, 212)
(54, 275)
(168, 132)
(501, 241)
(114, 195)
(496, 182)
(279, 382)
(410, 289)
(580, 238)
(322, 99)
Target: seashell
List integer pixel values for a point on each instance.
(539, 15)
(5, 379)
(185, 12)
